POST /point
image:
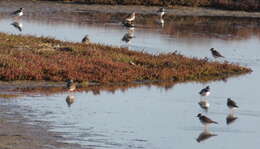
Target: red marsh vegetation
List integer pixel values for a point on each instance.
(33, 58)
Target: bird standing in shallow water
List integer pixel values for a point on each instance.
(71, 86)
(131, 17)
(205, 120)
(18, 13)
(231, 104)
(215, 53)
(205, 91)
(161, 12)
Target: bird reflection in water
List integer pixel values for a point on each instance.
(205, 135)
(161, 22)
(128, 36)
(204, 104)
(17, 25)
(70, 99)
(231, 118)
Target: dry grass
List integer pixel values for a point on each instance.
(31, 58)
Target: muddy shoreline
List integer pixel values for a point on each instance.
(21, 133)
(52, 8)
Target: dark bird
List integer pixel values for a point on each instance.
(17, 25)
(161, 12)
(70, 100)
(215, 53)
(231, 104)
(231, 118)
(18, 13)
(205, 135)
(71, 86)
(205, 91)
(131, 17)
(86, 39)
(205, 120)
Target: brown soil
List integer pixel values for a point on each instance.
(17, 133)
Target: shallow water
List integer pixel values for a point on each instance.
(152, 117)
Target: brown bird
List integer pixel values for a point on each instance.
(86, 39)
(231, 104)
(205, 120)
(131, 17)
(71, 86)
(215, 53)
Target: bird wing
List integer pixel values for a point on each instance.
(217, 54)
(233, 103)
(206, 119)
(15, 12)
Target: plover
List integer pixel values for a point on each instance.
(70, 99)
(71, 86)
(161, 12)
(205, 120)
(86, 39)
(231, 104)
(17, 25)
(18, 13)
(215, 53)
(205, 91)
(131, 17)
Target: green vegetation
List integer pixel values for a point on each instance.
(32, 58)
(249, 5)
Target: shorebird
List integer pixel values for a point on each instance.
(71, 86)
(205, 120)
(86, 39)
(70, 99)
(161, 12)
(204, 104)
(18, 13)
(215, 53)
(205, 91)
(17, 25)
(131, 17)
(231, 104)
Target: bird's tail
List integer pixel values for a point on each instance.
(215, 122)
